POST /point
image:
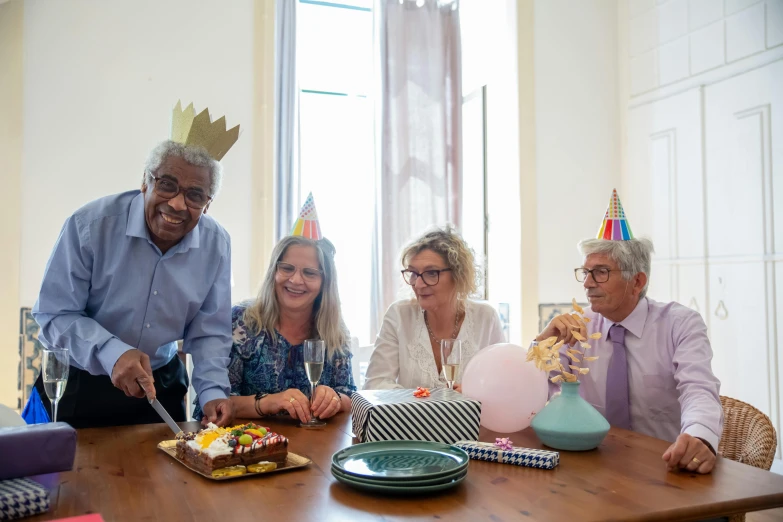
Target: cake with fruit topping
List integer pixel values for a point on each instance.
(214, 448)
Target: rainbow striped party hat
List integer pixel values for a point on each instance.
(615, 225)
(307, 223)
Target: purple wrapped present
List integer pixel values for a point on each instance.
(36, 449)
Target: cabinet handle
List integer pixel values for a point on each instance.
(693, 304)
(721, 312)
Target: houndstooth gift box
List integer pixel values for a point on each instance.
(445, 416)
(22, 497)
(531, 458)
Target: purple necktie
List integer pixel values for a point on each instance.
(618, 411)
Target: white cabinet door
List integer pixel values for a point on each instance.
(738, 329)
(744, 163)
(691, 287)
(663, 196)
(744, 187)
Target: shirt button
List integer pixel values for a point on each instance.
(155, 292)
(148, 325)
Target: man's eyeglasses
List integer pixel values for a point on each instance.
(430, 277)
(600, 274)
(288, 270)
(169, 188)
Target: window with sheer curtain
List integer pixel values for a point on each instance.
(334, 68)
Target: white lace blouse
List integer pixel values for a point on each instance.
(403, 355)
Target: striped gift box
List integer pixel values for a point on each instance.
(531, 458)
(445, 416)
(22, 497)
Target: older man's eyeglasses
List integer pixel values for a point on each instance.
(308, 274)
(169, 188)
(429, 277)
(600, 274)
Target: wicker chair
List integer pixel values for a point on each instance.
(748, 437)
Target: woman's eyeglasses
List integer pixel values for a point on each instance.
(429, 277)
(288, 270)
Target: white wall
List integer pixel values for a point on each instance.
(672, 41)
(11, 58)
(489, 30)
(100, 81)
(552, 70)
(577, 133)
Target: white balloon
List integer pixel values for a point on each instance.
(511, 390)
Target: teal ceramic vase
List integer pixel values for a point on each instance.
(569, 422)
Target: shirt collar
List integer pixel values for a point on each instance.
(137, 224)
(137, 227)
(634, 323)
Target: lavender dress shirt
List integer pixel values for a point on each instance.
(672, 389)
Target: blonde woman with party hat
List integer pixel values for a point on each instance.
(298, 301)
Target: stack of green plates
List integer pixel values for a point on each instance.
(404, 466)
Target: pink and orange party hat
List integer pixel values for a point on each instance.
(307, 223)
(615, 225)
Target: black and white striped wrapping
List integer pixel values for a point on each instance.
(22, 497)
(445, 416)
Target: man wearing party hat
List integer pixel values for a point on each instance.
(133, 273)
(653, 373)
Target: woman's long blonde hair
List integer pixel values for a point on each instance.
(328, 324)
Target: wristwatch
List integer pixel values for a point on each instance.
(259, 396)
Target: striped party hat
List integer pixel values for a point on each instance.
(307, 223)
(615, 225)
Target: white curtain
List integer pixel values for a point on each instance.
(286, 118)
(418, 136)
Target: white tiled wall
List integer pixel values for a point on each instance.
(671, 40)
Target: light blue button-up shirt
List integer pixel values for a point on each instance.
(108, 289)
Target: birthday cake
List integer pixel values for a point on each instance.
(237, 450)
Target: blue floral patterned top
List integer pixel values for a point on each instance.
(257, 365)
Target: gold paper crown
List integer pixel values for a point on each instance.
(191, 129)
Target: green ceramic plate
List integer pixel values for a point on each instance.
(403, 459)
(407, 490)
(384, 481)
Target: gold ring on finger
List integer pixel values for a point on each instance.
(697, 461)
(291, 399)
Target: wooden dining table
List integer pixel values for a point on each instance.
(121, 474)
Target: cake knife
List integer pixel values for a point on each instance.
(162, 412)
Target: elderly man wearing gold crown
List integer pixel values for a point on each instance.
(131, 274)
(653, 373)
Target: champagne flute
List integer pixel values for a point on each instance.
(314, 351)
(54, 367)
(451, 358)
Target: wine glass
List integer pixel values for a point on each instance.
(451, 358)
(54, 366)
(314, 351)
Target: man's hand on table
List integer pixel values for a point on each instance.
(218, 411)
(132, 374)
(689, 453)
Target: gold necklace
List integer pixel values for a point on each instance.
(453, 334)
